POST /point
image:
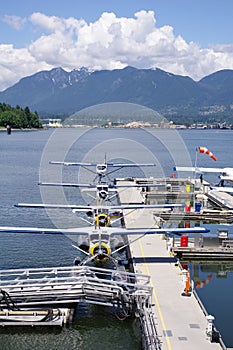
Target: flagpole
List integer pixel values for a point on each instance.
(195, 165)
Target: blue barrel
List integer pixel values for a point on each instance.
(198, 207)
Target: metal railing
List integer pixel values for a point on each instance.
(73, 284)
(129, 293)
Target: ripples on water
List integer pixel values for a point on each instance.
(20, 158)
(94, 328)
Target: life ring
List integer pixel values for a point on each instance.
(102, 220)
(106, 251)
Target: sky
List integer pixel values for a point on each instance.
(186, 37)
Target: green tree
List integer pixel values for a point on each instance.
(18, 117)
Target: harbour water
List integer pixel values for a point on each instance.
(24, 161)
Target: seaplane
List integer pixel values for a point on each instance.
(103, 170)
(104, 191)
(225, 175)
(103, 240)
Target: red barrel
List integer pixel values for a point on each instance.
(184, 241)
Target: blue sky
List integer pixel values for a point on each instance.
(180, 36)
(203, 21)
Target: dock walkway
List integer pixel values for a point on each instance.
(180, 320)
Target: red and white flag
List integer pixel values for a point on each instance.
(206, 151)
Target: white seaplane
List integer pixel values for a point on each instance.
(225, 175)
(103, 241)
(103, 169)
(104, 191)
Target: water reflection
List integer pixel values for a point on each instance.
(213, 284)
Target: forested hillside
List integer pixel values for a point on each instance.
(18, 118)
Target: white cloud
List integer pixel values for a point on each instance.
(14, 21)
(109, 43)
(17, 63)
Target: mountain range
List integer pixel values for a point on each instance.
(61, 93)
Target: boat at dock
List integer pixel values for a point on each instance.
(33, 317)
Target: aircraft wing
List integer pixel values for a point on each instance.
(143, 206)
(110, 186)
(12, 229)
(198, 169)
(98, 207)
(106, 230)
(151, 231)
(54, 206)
(116, 165)
(73, 163)
(129, 165)
(135, 185)
(66, 184)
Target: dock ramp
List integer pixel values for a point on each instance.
(67, 285)
(129, 293)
